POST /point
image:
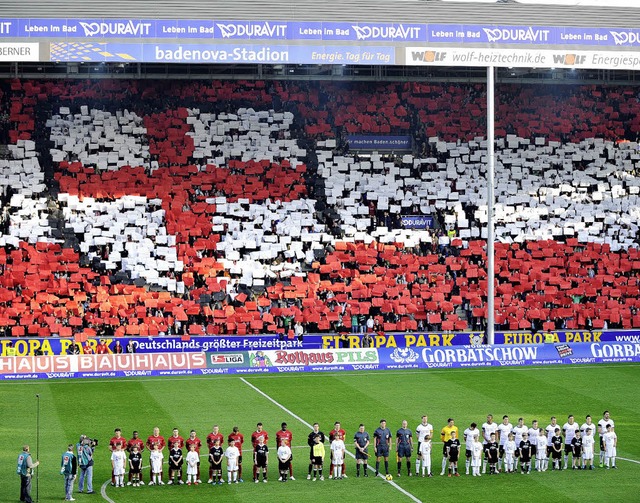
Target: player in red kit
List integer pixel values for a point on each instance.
(284, 434)
(238, 438)
(194, 440)
(260, 432)
(152, 440)
(135, 441)
(211, 438)
(254, 441)
(115, 440)
(333, 434)
(175, 438)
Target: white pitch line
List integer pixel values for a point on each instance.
(629, 460)
(103, 489)
(292, 414)
(103, 492)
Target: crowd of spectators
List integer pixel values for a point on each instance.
(331, 256)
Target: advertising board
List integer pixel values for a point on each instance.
(318, 360)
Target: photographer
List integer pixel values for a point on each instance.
(84, 449)
(25, 469)
(69, 468)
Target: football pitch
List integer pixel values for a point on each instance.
(69, 408)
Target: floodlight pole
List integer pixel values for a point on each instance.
(490, 211)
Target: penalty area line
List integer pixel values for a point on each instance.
(295, 416)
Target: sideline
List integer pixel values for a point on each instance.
(258, 390)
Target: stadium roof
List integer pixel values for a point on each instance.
(405, 11)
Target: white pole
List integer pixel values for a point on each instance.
(490, 223)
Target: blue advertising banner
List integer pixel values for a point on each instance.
(220, 53)
(211, 29)
(149, 29)
(518, 355)
(417, 222)
(310, 360)
(145, 345)
(220, 343)
(533, 35)
(437, 357)
(30, 346)
(379, 142)
(566, 336)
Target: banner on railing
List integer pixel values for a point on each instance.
(521, 58)
(30, 346)
(417, 221)
(518, 355)
(281, 30)
(379, 142)
(317, 42)
(320, 360)
(208, 53)
(118, 365)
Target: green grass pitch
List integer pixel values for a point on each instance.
(96, 407)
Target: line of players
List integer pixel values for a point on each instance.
(504, 446)
(129, 453)
(156, 443)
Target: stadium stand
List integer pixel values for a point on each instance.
(188, 207)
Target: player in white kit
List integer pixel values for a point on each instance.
(232, 454)
(602, 429)
(569, 430)
(541, 451)
(192, 465)
(476, 456)
(118, 463)
(422, 430)
(424, 454)
(588, 423)
(337, 456)
(510, 453)
(504, 430)
(588, 444)
(518, 430)
(610, 447)
(470, 435)
(156, 458)
(551, 431)
(487, 429)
